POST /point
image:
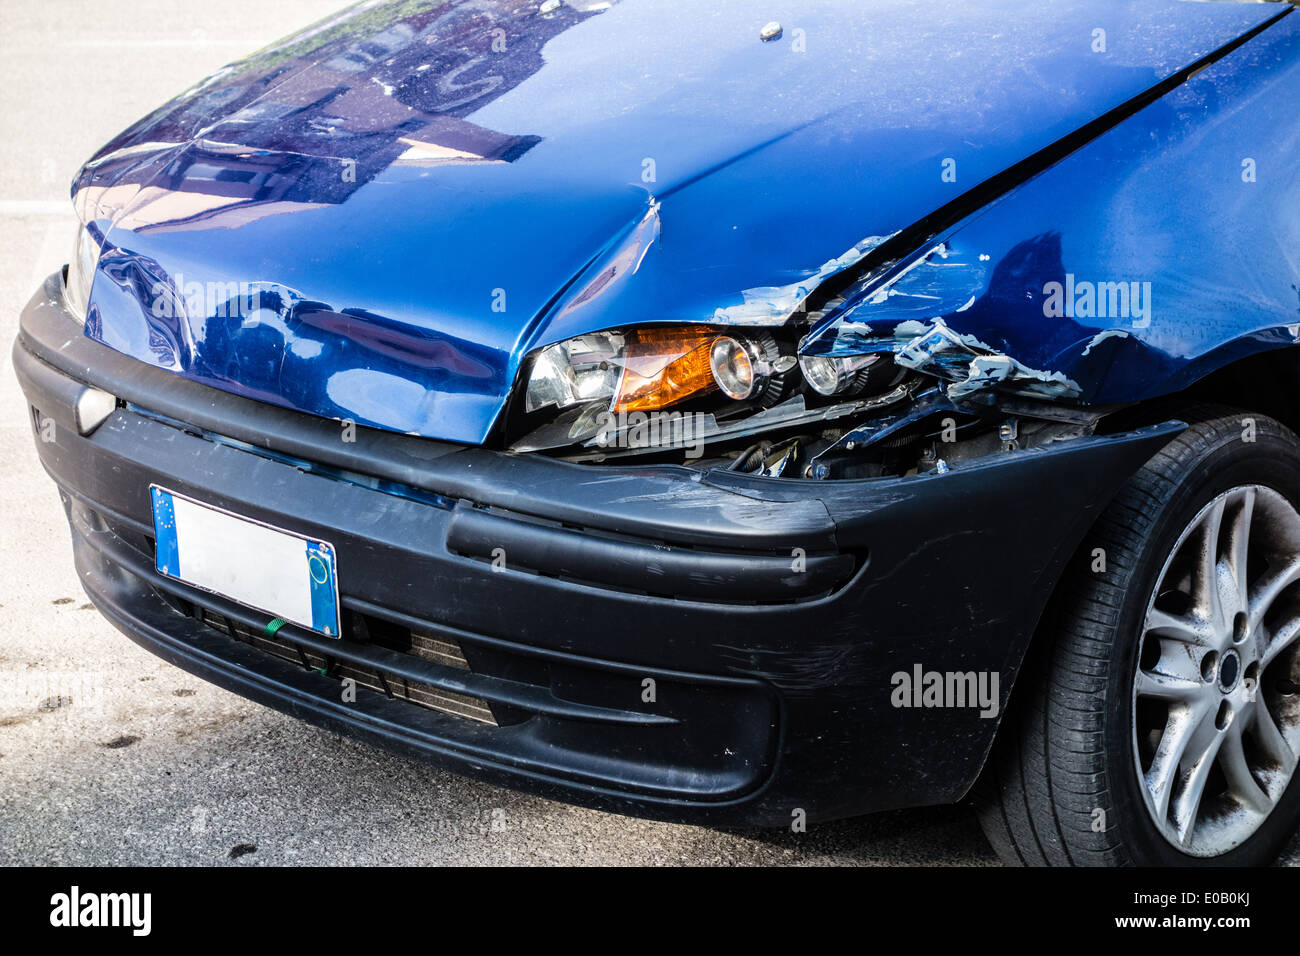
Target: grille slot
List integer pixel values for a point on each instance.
(381, 649)
(437, 650)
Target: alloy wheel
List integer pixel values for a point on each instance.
(1216, 692)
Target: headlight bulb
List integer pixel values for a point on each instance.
(733, 368)
(836, 375)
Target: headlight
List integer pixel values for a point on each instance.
(580, 370)
(645, 369)
(81, 273)
(729, 383)
(732, 367)
(836, 376)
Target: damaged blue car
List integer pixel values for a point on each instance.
(718, 413)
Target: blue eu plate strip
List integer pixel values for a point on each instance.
(324, 594)
(167, 558)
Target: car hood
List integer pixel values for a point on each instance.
(377, 219)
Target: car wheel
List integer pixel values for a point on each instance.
(1160, 722)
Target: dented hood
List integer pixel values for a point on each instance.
(377, 219)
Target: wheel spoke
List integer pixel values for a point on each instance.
(1232, 760)
(1263, 596)
(1176, 627)
(1205, 570)
(1279, 642)
(1195, 770)
(1237, 549)
(1166, 687)
(1180, 727)
(1271, 739)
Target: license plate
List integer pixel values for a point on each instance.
(272, 570)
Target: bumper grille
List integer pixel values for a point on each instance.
(439, 651)
(442, 692)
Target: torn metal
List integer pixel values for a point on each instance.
(973, 367)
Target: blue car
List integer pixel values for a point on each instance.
(722, 414)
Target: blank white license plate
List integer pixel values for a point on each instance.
(275, 571)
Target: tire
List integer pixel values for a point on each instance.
(1077, 776)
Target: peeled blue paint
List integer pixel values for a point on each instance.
(1002, 371)
(1102, 337)
(1157, 253)
(773, 305)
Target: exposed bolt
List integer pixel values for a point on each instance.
(772, 31)
(850, 445)
(941, 467)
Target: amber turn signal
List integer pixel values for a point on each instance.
(664, 366)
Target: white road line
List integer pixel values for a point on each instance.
(35, 207)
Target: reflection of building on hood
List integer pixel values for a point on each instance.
(245, 185)
(362, 55)
(289, 139)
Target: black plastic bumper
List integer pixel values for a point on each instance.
(769, 615)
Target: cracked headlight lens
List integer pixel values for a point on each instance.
(664, 367)
(81, 274)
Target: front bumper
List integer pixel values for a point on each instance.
(713, 648)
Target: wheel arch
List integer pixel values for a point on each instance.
(1263, 383)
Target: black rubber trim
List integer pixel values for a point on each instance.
(642, 568)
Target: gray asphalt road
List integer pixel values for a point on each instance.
(109, 756)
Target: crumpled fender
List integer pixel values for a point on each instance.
(1161, 251)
